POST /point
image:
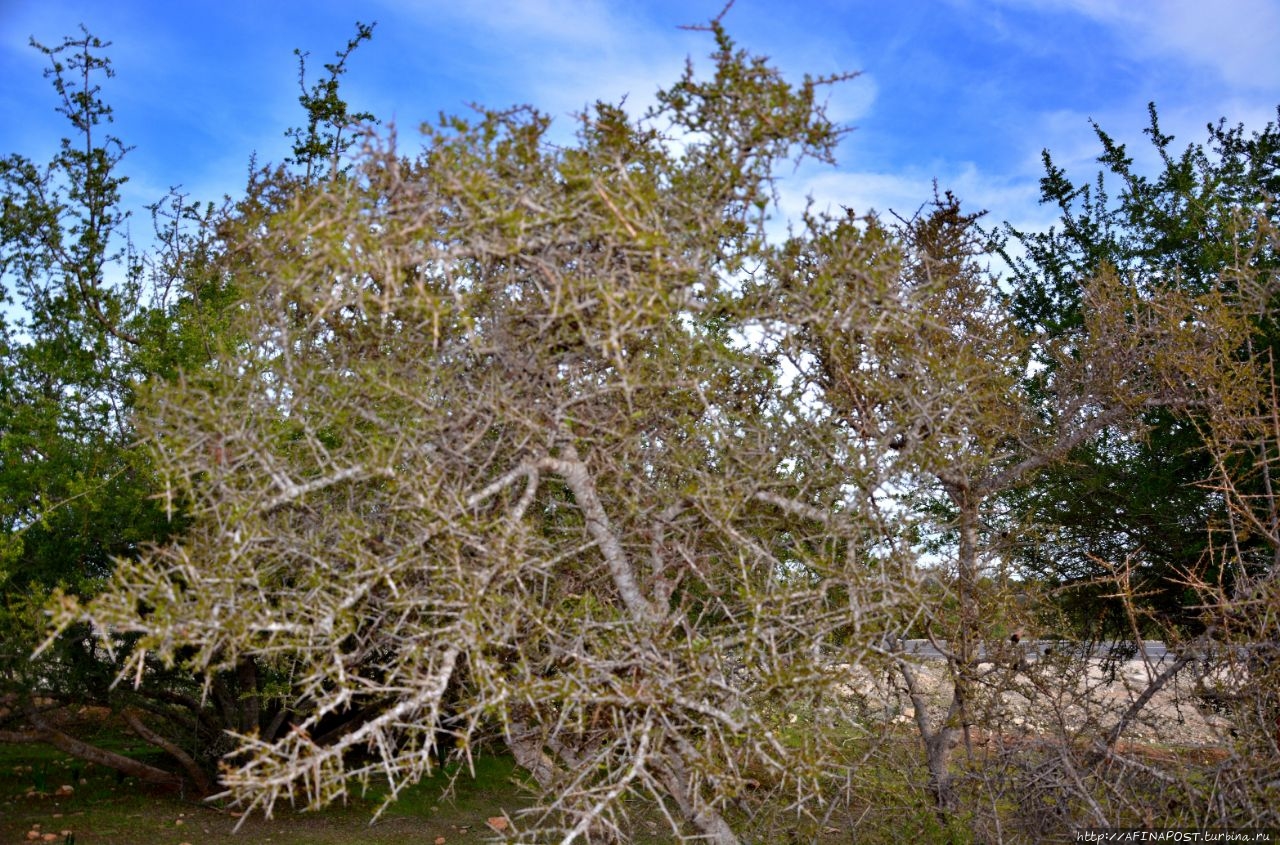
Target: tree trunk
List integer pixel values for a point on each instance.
(704, 818)
(249, 700)
(198, 776)
(937, 741)
(961, 658)
(44, 732)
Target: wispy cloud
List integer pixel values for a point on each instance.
(905, 193)
(967, 91)
(560, 56)
(1235, 39)
(563, 55)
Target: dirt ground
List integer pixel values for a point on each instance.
(1066, 696)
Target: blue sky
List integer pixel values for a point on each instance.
(965, 91)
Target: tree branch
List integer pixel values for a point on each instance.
(78, 748)
(189, 765)
(575, 475)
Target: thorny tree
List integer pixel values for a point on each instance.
(548, 447)
(919, 363)
(93, 317)
(488, 459)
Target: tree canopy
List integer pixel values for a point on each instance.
(1205, 221)
(500, 444)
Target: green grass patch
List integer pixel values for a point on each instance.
(100, 808)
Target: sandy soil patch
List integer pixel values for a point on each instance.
(1062, 695)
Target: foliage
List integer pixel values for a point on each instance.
(68, 369)
(95, 320)
(1203, 222)
(548, 447)
(328, 135)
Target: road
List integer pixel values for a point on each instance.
(1154, 649)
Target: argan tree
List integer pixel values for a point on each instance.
(906, 339)
(509, 445)
(74, 493)
(487, 459)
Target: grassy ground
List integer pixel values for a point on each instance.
(99, 809)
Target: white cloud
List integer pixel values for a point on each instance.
(1236, 38)
(1014, 199)
(562, 55)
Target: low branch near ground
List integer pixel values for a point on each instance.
(197, 774)
(44, 732)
